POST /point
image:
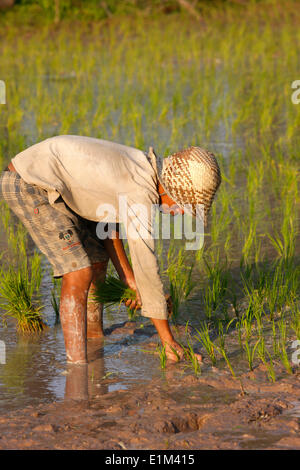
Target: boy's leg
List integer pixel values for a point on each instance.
(94, 310)
(73, 312)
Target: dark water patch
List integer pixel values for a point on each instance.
(203, 394)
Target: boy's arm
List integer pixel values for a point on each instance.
(115, 248)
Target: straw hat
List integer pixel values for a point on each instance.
(191, 176)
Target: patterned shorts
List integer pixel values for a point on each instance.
(66, 239)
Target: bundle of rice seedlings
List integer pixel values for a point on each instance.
(114, 291)
(16, 300)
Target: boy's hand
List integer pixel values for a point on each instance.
(133, 304)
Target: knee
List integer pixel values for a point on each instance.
(81, 278)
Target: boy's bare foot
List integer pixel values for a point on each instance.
(175, 352)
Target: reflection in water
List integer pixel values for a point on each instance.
(85, 381)
(36, 372)
(77, 382)
(32, 362)
(13, 375)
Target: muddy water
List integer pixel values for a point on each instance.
(35, 368)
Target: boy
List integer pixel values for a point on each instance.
(61, 187)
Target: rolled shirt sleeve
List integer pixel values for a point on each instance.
(137, 223)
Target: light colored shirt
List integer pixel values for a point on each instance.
(92, 176)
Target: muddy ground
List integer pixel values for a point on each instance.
(176, 411)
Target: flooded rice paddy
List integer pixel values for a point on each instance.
(225, 87)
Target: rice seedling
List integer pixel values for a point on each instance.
(179, 272)
(253, 291)
(114, 291)
(240, 334)
(5, 215)
(17, 300)
(191, 357)
(250, 352)
(222, 350)
(271, 370)
(16, 236)
(249, 241)
(219, 223)
(190, 354)
(282, 352)
(261, 353)
(284, 242)
(245, 325)
(17, 241)
(161, 350)
(295, 319)
(280, 287)
(261, 350)
(203, 337)
(234, 300)
(20, 282)
(275, 340)
(284, 358)
(259, 323)
(35, 273)
(282, 325)
(215, 291)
